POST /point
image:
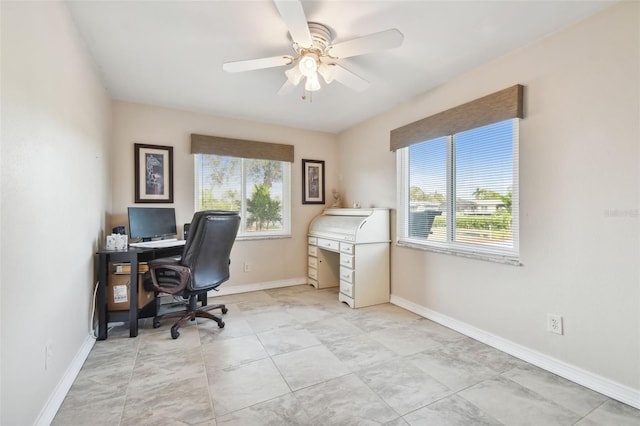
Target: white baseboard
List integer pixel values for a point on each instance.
(578, 375)
(245, 288)
(60, 392)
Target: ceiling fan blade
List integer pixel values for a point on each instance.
(286, 88)
(367, 44)
(257, 64)
(293, 15)
(349, 79)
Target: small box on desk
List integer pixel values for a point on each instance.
(118, 292)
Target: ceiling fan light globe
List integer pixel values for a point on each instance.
(308, 65)
(294, 75)
(312, 83)
(327, 71)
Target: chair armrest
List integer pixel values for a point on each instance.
(183, 272)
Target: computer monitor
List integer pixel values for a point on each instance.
(151, 223)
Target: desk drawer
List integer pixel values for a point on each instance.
(328, 244)
(312, 240)
(312, 273)
(347, 274)
(312, 262)
(346, 260)
(346, 288)
(346, 248)
(312, 250)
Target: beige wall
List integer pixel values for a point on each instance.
(55, 191)
(270, 260)
(579, 161)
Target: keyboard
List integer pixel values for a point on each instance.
(170, 242)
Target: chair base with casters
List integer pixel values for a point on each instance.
(191, 314)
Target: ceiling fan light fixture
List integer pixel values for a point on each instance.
(308, 64)
(312, 83)
(294, 75)
(316, 54)
(327, 71)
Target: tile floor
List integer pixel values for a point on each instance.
(296, 356)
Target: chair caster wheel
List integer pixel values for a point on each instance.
(174, 333)
(225, 310)
(221, 324)
(156, 324)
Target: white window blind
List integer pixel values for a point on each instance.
(459, 193)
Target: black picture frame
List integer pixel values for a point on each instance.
(312, 182)
(153, 168)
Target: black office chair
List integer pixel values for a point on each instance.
(203, 266)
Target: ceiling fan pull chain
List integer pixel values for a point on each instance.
(304, 95)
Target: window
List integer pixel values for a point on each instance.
(251, 177)
(259, 189)
(459, 193)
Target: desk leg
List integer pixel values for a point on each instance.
(133, 297)
(102, 297)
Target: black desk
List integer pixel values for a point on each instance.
(132, 255)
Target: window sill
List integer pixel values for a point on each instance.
(261, 237)
(507, 259)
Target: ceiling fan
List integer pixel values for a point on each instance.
(315, 54)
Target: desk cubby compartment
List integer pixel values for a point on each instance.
(118, 294)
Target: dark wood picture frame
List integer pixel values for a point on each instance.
(312, 182)
(153, 168)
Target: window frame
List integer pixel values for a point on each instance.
(243, 234)
(510, 255)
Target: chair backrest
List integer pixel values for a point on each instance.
(208, 247)
(192, 229)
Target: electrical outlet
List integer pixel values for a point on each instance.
(246, 267)
(554, 323)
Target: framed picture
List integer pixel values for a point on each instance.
(153, 173)
(312, 182)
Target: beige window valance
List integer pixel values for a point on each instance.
(202, 144)
(498, 106)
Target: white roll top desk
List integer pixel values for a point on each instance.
(350, 248)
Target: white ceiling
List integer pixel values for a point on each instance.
(170, 53)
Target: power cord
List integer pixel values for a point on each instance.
(92, 329)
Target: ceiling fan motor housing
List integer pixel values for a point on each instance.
(322, 37)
